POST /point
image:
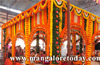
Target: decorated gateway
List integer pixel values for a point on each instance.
(47, 20)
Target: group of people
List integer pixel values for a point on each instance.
(39, 54)
(18, 51)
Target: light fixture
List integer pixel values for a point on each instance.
(10, 9)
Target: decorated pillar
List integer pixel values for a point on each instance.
(27, 46)
(89, 45)
(13, 40)
(56, 29)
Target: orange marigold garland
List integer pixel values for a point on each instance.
(35, 9)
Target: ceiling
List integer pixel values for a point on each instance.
(23, 5)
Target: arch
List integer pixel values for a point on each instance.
(34, 31)
(19, 34)
(95, 34)
(7, 38)
(40, 38)
(79, 30)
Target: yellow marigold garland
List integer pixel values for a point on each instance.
(78, 11)
(59, 6)
(98, 19)
(86, 15)
(93, 18)
(28, 13)
(51, 25)
(60, 25)
(17, 18)
(43, 6)
(35, 10)
(22, 15)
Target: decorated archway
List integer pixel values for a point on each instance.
(95, 42)
(37, 35)
(76, 29)
(18, 36)
(8, 45)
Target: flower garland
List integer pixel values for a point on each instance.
(78, 11)
(17, 18)
(60, 22)
(35, 9)
(28, 13)
(51, 27)
(93, 17)
(29, 20)
(43, 4)
(86, 15)
(56, 39)
(65, 5)
(59, 3)
(22, 16)
(71, 7)
(87, 23)
(98, 19)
